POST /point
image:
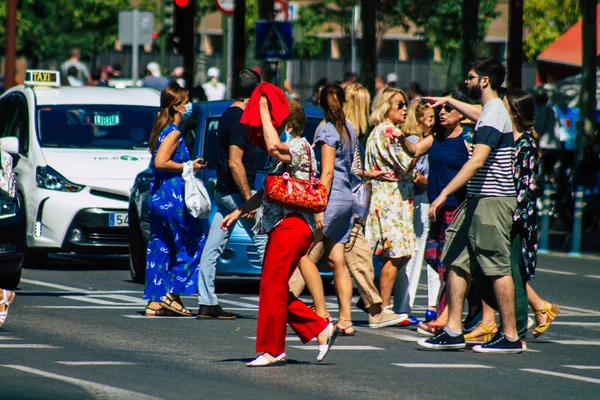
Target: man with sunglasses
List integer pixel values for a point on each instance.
(478, 242)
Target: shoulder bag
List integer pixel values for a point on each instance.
(197, 200)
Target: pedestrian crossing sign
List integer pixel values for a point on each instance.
(274, 40)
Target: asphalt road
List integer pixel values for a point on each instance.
(76, 331)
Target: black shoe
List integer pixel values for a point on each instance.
(500, 344)
(215, 312)
(443, 341)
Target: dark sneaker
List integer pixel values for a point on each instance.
(215, 312)
(500, 344)
(443, 341)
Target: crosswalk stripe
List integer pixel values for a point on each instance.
(55, 286)
(567, 323)
(577, 342)
(452, 366)
(561, 375)
(27, 346)
(593, 276)
(9, 338)
(238, 303)
(552, 271)
(287, 339)
(94, 363)
(353, 347)
(582, 366)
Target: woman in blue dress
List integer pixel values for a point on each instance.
(176, 238)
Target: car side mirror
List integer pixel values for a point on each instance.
(10, 144)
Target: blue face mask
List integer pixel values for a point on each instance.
(285, 136)
(188, 111)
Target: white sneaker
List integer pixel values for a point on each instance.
(387, 317)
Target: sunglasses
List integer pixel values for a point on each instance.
(471, 76)
(401, 105)
(446, 108)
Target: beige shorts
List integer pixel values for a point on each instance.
(480, 236)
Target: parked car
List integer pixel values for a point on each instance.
(11, 217)
(240, 256)
(77, 150)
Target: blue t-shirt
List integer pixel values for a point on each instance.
(446, 158)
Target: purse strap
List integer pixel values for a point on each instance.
(310, 164)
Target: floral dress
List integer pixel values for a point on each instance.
(176, 238)
(527, 166)
(389, 228)
(302, 154)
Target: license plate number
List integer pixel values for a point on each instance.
(118, 219)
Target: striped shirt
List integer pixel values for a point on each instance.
(496, 177)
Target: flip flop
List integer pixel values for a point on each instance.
(6, 300)
(170, 304)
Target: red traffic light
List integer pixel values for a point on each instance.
(182, 3)
(154, 35)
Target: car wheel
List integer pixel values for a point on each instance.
(10, 281)
(137, 249)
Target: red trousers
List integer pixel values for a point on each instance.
(287, 243)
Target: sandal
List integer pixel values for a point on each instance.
(332, 333)
(171, 305)
(551, 313)
(6, 300)
(160, 312)
(347, 331)
(490, 332)
(262, 361)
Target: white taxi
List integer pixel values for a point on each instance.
(77, 152)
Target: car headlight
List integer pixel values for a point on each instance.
(8, 207)
(48, 178)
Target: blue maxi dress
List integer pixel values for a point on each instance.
(176, 238)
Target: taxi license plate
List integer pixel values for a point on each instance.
(118, 219)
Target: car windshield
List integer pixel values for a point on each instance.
(211, 144)
(95, 126)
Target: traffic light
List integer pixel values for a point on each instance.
(167, 17)
(184, 33)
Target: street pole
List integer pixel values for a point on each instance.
(369, 64)
(355, 18)
(230, 55)
(470, 14)
(135, 47)
(238, 37)
(11, 44)
(514, 55)
(588, 78)
(265, 13)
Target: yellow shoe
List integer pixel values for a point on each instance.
(551, 313)
(490, 332)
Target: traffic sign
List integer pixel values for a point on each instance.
(143, 30)
(274, 40)
(227, 7)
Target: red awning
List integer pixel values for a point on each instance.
(567, 49)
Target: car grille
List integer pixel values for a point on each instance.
(253, 256)
(107, 237)
(109, 195)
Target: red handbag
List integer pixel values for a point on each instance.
(307, 195)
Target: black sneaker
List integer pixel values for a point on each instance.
(499, 344)
(443, 341)
(215, 312)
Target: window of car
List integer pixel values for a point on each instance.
(211, 144)
(20, 126)
(95, 126)
(7, 114)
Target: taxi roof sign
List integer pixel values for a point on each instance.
(40, 77)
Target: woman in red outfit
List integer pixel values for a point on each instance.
(290, 234)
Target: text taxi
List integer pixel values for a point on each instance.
(77, 151)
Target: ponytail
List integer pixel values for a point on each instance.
(332, 100)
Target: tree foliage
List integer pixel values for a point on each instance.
(546, 21)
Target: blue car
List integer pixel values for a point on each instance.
(200, 132)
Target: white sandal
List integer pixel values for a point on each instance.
(332, 334)
(262, 361)
(7, 302)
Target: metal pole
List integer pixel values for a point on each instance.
(545, 228)
(229, 56)
(577, 215)
(11, 44)
(135, 47)
(588, 76)
(515, 44)
(355, 12)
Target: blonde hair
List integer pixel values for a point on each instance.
(356, 107)
(382, 104)
(171, 96)
(414, 119)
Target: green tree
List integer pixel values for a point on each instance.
(546, 21)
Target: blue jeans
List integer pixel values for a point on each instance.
(216, 242)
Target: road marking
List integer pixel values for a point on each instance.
(62, 292)
(27, 346)
(91, 307)
(578, 312)
(97, 299)
(356, 347)
(593, 276)
(577, 342)
(238, 303)
(576, 323)
(287, 339)
(561, 375)
(97, 390)
(453, 366)
(9, 338)
(583, 366)
(55, 286)
(390, 334)
(551, 271)
(191, 318)
(94, 363)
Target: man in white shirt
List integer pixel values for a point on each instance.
(214, 89)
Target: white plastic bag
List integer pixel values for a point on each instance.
(197, 200)
(8, 182)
